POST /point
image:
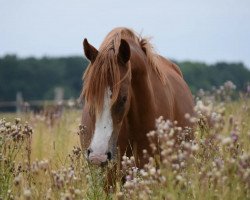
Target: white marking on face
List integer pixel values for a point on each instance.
(103, 127)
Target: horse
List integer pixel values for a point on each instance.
(126, 86)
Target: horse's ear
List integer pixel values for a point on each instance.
(124, 51)
(90, 51)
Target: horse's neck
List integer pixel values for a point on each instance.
(142, 111)
(142, 100)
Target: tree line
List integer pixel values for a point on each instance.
(37, 78)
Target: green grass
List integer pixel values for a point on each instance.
(217, 170)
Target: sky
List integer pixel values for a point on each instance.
(197, 30)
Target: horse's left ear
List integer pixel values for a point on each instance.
(90, 51)
(124, 51)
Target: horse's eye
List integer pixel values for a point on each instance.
(122, 102)
(124, 99)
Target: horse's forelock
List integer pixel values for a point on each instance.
(98, 77)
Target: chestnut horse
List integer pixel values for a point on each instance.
(126, 87)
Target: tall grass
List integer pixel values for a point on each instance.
(43, 160)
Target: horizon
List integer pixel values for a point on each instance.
(84, 57)
(208, 32)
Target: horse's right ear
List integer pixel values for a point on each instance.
(90, 51)
(124, 51)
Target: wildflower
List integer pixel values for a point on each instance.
(77, 191)
(17, 120)
(119, 195)
(2, 129)
(182, 164)
(7, 125)
(179, 178)
(152, 171)
(229, 85)
(128, 185)
(170, 143)
(195, 147)
(226, 140)
(124, 158)
(27, 194)
(128, 178)
(187, 116)
(200, 108)
(17, 180)
(143, 173)
(193, 120)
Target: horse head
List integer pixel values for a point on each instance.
(107, 94)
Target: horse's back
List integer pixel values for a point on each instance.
(178, 91)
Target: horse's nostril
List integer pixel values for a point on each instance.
(89, 151)
(109, 155)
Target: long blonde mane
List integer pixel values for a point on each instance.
(104, 72)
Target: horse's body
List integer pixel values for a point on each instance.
(149, 86)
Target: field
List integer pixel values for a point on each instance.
(42, 159)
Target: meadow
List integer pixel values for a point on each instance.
(40, 157)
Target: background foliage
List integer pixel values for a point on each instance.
(37, 78)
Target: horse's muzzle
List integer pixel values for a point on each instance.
(98, 159)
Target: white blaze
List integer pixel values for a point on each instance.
(103, 127)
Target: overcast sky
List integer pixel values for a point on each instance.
(198, 30)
